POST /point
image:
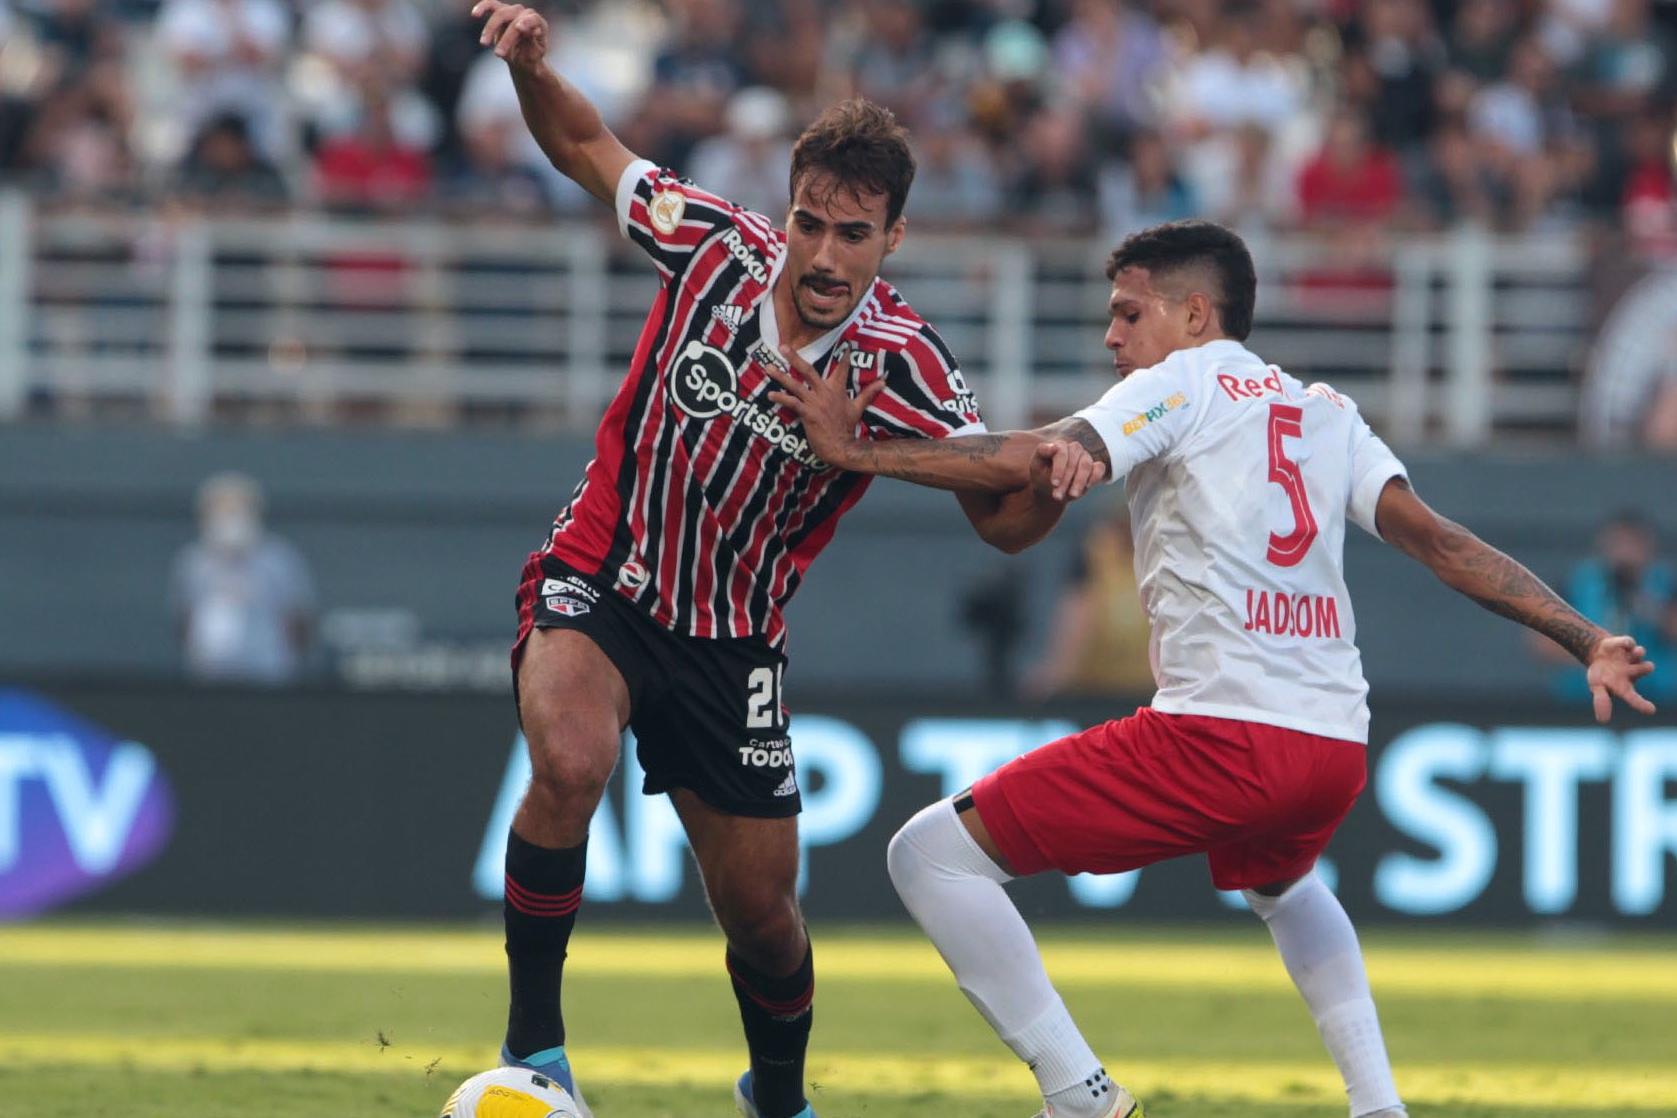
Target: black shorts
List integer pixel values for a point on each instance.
(707, 713)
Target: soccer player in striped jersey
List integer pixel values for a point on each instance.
(656, 600)
(1240, 482)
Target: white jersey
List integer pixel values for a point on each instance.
(1240, 480)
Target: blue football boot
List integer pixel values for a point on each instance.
(552, 1063)
(748, 1107)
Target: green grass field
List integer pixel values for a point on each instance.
(147, 1021)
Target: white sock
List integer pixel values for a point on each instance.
(1320, 949)
(953, 889)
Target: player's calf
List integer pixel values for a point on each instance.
(776, 998)
(1320, 950)
(954, 890)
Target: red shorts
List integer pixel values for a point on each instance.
(1260, 801)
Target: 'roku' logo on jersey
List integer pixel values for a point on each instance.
(749, 260)
(1291, 615)
(705, 385)
(1157, 411)
(1250, 388)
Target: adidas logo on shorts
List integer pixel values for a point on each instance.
(788, 787)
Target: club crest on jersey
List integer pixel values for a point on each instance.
(568, 607)
(666, 209)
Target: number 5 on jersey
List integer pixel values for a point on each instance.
(1286, 421)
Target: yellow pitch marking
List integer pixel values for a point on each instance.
(1617, 1089)
(1458, 971)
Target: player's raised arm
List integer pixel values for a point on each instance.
(1469, 565)
(565, 124)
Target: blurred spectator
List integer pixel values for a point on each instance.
(1480, 38)
(1098, 639)
(243, 599)
(1054, 191)
(228, 57)
(1260, 191)
(1392, 72)
(1531, 137)
(489, 179)
(1625, 72)
(1624, 588)
(369, 48)
(1648, 203)
(371, 170)
(1144, 190)
(955, 181)
(748, 163)
(1216, 93)
(1461, 184)
(1351, 184)
(693, 77)
(893, 64)
(1108, 57)
(78, 139)
(224, 173)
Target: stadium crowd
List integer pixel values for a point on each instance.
(1044, 116)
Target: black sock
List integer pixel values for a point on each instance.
(777, 1016)
(543, 889)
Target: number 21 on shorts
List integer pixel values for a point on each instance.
(1286, 421)
(762, 699)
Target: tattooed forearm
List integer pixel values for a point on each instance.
(996, 463)
(1504, 586)
(1082, 432)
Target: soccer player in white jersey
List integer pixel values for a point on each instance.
(1240, 481)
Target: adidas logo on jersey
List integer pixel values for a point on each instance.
(729, 315)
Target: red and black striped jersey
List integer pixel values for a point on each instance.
(703, 504)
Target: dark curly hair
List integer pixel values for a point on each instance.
(1184, 244)
(864, 149)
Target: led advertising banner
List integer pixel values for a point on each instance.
(230, 802)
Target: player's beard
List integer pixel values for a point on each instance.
(822, 318)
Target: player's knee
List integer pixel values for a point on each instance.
(905, 858)
(761, 923)
(571, 767)
(1266, 900)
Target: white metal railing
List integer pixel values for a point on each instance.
(1451, 338)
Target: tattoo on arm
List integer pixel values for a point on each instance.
(956, 463)
(1082, 432)
(1504, 586)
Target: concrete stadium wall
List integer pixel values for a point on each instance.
(90, 519)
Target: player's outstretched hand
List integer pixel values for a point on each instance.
(1064, 469)
(823, 404)
(1615, 665)
(515, 33)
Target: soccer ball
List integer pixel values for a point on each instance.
(510, 1093)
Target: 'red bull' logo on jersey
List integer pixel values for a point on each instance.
(705, 385)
